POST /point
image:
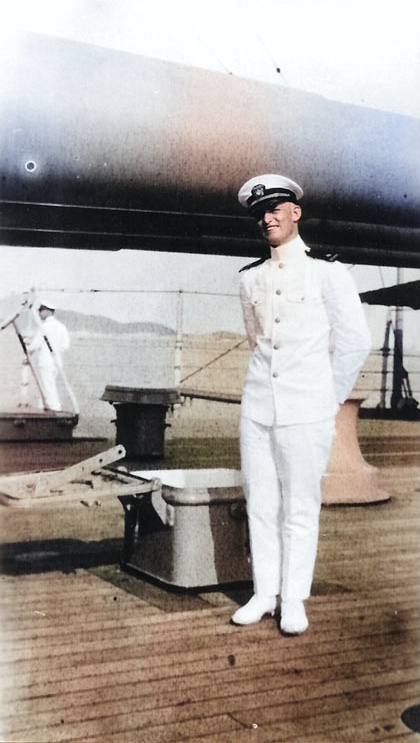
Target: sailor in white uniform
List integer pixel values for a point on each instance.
(45, 349)
(309, 339)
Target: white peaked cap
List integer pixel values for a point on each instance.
(269, 186)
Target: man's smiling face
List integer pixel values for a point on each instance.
(279, 224)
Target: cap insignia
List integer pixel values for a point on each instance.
(258, 191)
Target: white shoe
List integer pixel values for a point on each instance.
(293, 619)
(255, 609)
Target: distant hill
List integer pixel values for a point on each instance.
(77, 321)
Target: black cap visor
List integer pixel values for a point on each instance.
(262, 206)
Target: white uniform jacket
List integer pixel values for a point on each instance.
(58, 338)
(309, 337)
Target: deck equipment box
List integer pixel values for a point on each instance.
(192, 532)
(141, 418)
(27, 425)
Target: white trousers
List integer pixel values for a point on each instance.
(282, 469)
(47, 378)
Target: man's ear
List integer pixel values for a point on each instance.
(296, 212)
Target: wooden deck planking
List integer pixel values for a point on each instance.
(159, 698)
(390, 625)
(365, 626)
(136, 684)
(269, 678)
(317, 727)
(117, 719)
(361, 618)
(83, 660)
(346, 609)
(91, 683)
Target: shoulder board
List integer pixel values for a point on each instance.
(318, 255)
(255, 263)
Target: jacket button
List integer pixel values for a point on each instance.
(278, 291)
(276, 347)
(276, 319)
(275, 374)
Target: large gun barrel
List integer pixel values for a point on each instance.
(105, 149)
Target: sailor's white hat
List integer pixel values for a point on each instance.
(269, 186)
(46, 304)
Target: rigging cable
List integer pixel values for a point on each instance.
(219, 61)
(273, 61)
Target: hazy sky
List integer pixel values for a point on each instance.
(359, 51)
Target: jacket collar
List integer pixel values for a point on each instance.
(291, 252)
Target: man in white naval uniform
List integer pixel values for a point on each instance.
(309, 339)
(45, 349)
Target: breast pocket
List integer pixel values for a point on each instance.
(305, 313)
(257, 297)
(258, 304)
(296, 297)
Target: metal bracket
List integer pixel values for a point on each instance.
(92, 476)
